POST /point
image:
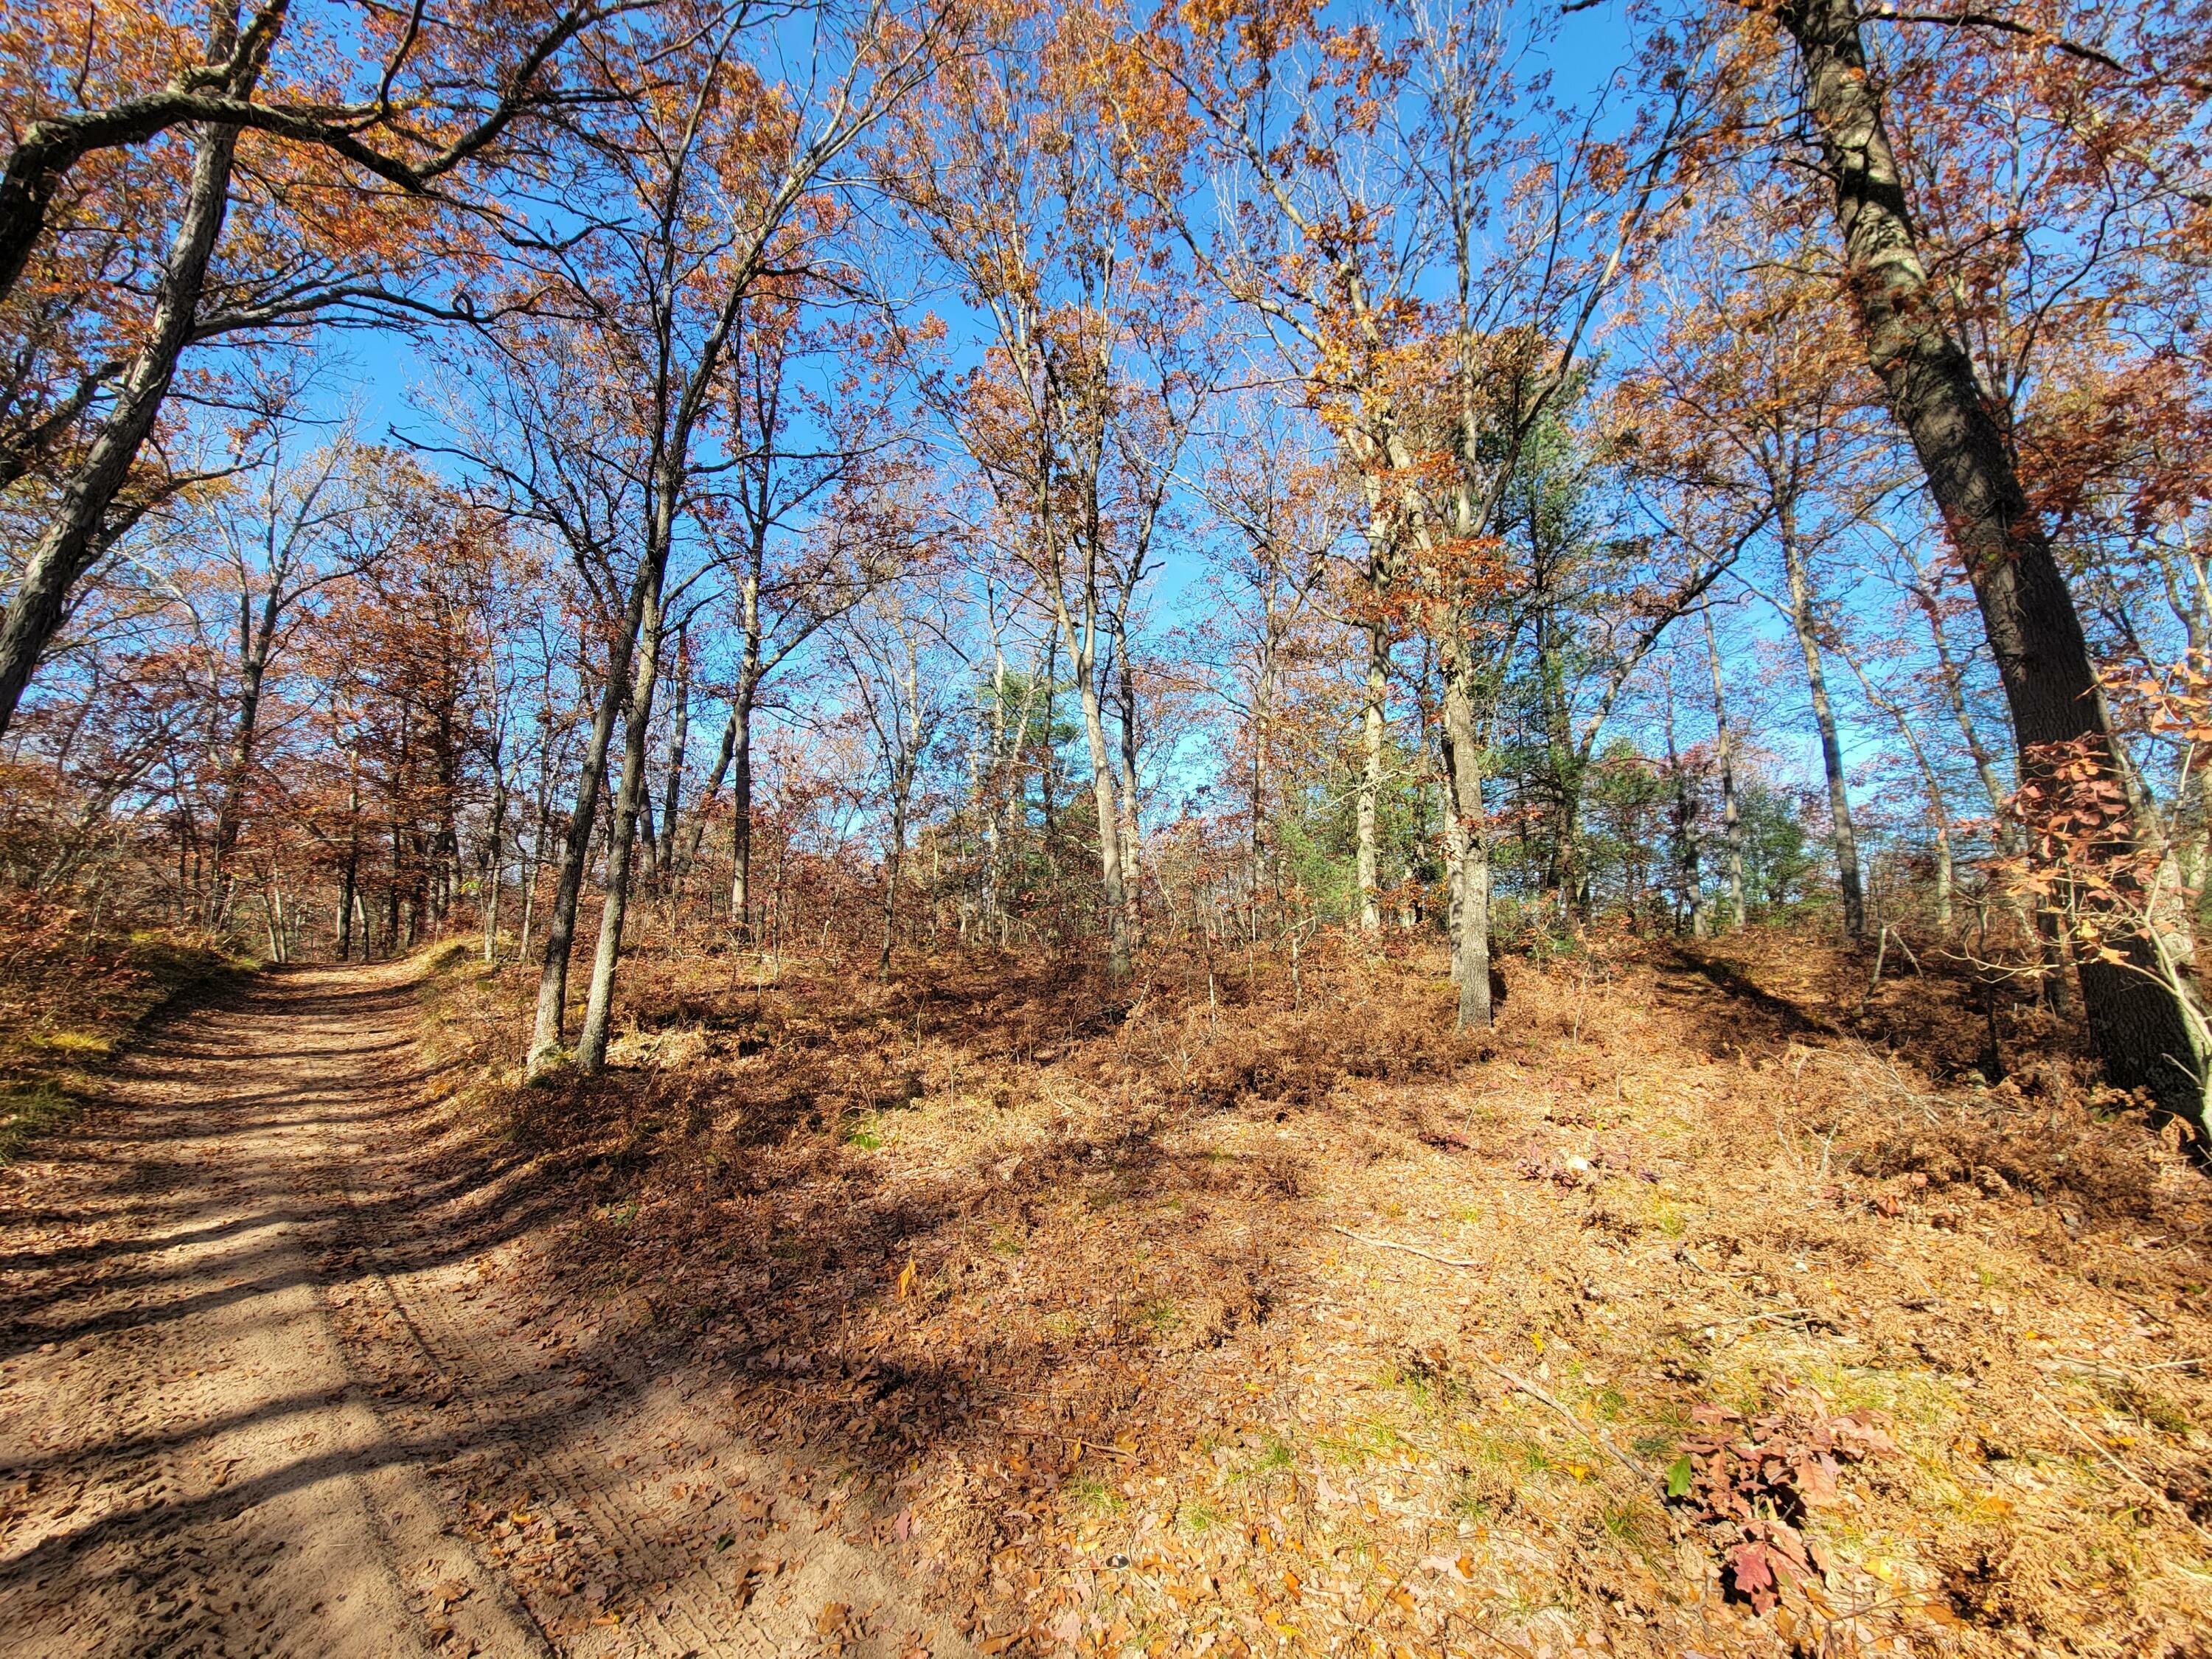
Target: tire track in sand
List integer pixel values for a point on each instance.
(260, 1392)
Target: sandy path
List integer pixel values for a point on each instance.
(257, 1382)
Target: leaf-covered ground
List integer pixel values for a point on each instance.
(1687, 1313)
(73, 994)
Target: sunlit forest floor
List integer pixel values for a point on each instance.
(1709, 1304)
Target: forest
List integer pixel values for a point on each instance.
(911, 827)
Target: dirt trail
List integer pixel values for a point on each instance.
(260, 1392)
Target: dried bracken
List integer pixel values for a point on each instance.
(1138, 1367)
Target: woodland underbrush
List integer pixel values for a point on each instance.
(1720, 1301)
(73, 994)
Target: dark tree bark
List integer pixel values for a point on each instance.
(74, 537)
(1724, 757)
(2136, 1020)
(1468, 835)
(220, 93)
(256, 636)
(679, 734)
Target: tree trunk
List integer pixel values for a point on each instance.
(1133, 885)
(1832, 749)
(1462, 759)
(349, 888)
(986, 791)
(496, 864)
(1943, 876)
(894, 862)
(253, 648)
(2146, 1038)
(1372, 733)
(1112, 897)
(1263, 705)
(646, 854)
(576, 844)
(722, 769)
(679, 731)
(1689, 877)
(629, 800)
(346, 903)
(741, 814)
(1724, 755)
(1048, 760)
(73, 540)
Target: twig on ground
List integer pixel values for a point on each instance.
(2068, 1362)
(1080, 1444)
(1582, 1428)
(1752, 1318)
(1410, 1249)
(2157, 1497)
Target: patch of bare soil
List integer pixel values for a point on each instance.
(265, 1386)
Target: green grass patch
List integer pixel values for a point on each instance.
(1092, 1492)
(1274, 1457)
(1197, 1519)
(1363, 1439)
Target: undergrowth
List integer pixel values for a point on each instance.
(72, 998)
(1706, 1303)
